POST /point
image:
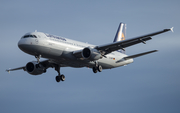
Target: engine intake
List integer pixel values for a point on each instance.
(91, 54)
(34, 68)
(86, 52)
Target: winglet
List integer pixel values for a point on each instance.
(172, 29)
(8, 70)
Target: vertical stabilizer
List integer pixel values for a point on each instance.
(120, 34)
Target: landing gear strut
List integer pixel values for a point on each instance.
(97, 67)
(59, 77)
(38, 58)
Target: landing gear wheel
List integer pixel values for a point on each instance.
(58, 78)
(62, 78)
(94, 69)
(99, 68)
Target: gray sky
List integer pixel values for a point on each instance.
(150, 84)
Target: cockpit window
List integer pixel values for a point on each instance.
(29, 36)
(34, 36)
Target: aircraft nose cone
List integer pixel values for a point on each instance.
(26, 46)
(20, 45)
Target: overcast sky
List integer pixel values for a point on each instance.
(149, 85)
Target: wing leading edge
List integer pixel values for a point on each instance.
(24, 68)
(108, 48)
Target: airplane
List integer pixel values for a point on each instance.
(63, 52)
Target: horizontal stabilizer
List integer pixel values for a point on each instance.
(140, 54)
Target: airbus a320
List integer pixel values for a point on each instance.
(63, 52)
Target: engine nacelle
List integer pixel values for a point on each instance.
(34, 68)
(91, 54)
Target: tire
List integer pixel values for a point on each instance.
(62, 78)
(94, 70)
(58, 78)
(99, 68)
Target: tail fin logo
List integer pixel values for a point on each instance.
(122, 37)
(119, 35)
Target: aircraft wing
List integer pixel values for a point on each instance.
(108, 48)
(140, 54)
(19, 68)
(45, 63)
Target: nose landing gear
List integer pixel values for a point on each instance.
(59, 77)
(38, 58)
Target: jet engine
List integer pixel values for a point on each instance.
(34, 68)
(91, 54)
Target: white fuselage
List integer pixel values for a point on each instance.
(60, 50)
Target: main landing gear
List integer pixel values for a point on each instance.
(97, 67)
(59, 77)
